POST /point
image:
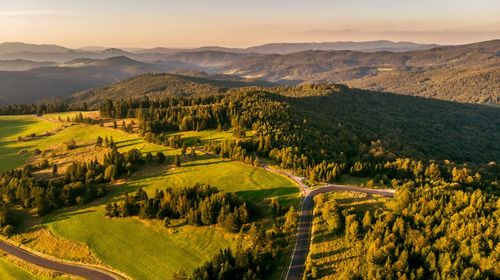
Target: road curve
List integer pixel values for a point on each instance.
(86, 272)
(303, 241)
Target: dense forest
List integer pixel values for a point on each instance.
(334, 126)
(430, 231)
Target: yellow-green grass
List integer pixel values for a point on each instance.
(145, 249)
(64, 115)
(148, 250)
(10, 271)
(194, 138)
(334, 254)
(12, 127)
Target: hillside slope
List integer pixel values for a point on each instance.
(160, 85)
(467, 73)
(63, 80)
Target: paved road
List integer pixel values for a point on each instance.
(303, 241)
(86, 272)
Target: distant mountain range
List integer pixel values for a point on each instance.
(9, 51)
(80, 74)
(465, 73)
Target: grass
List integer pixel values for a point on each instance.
(194, 138)
(141, 249)
(12, 268)
(148, 250)
(13, 127)
(12, 272)
(333, 254)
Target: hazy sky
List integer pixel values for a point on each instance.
(190, 23)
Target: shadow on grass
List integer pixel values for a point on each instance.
(196, 163)
(262, 194)
(65, 215)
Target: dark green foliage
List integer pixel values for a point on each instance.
(160, 157)
(256, 261)
(199, 205)
(177, 160)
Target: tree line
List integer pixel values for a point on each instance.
(198, 205)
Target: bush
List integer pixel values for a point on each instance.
(8, 230)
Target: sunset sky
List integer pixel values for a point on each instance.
(233, 23)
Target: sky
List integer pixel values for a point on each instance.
(236, 23)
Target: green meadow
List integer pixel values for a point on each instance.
(12, 272)
(158, 252)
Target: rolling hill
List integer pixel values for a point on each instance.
(14, 47)
(467, 73)
(161, 85)
(71, 77)
(22, 65)
(368, 46)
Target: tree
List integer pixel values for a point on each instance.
(291, 218)
(71, 144)
(109, 173)
(160, 157)
(42, 206)
(166, 221)
(367, 220)
(8, 230)
(54, 169)
(149, 157)
(108, 210)
(99, 141)
(177, 160)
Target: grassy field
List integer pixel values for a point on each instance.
(10, 271)
(21, 126)
(333, 254)
(12, 268)
(141, 249)
(158, 251)
(13, 127)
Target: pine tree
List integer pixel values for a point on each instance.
(54, 169)
(177, 160)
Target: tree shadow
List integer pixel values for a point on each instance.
(329, 253)
(66, 214)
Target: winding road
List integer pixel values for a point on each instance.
(85, 272)
(303, 241)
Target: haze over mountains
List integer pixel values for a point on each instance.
(465, 73)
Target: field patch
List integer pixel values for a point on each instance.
(158, 252)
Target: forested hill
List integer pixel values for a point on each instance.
(160, 86)
(323, 122)
(382, 124)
